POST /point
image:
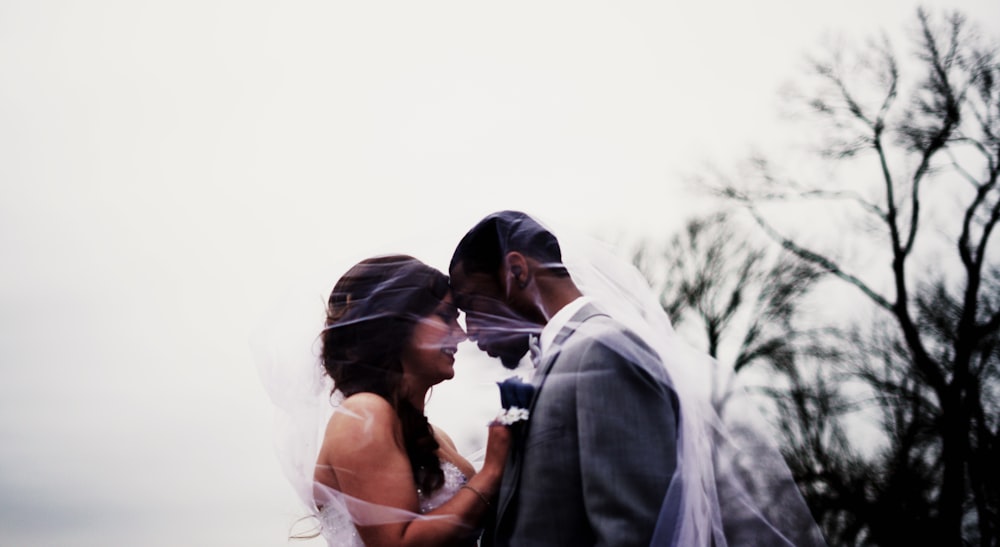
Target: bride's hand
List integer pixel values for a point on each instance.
(497, 446)
(486, 483)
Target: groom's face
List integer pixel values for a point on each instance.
(489, 320)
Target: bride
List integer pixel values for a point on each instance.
(384, 475)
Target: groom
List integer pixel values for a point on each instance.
(593, 464)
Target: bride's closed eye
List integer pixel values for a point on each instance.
(447, 313)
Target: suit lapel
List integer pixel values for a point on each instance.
(512, 473)
(583, 314)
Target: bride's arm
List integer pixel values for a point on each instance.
(370, 463)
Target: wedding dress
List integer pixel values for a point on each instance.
(337, 524)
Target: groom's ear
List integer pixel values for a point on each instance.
(516, 271)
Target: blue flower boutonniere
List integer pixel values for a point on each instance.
(515, 398)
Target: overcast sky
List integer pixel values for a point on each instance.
(169, 170)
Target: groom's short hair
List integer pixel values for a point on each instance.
(484, 247)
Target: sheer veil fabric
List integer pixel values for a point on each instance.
(731, 486)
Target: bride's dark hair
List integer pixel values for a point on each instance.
(370, 318)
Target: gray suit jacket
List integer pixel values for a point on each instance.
(593, 463)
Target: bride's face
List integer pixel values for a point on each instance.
(430, 354)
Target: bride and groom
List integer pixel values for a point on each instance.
(605, 446)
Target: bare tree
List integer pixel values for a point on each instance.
(712, 275)
(728, 293)
(926, 144)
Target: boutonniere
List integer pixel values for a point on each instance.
(515, 398)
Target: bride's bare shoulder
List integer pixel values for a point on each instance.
(363, 415)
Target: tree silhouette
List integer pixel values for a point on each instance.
(713, 275)
(741, 302)
(918, 161)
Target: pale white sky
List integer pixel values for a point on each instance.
(170, 169)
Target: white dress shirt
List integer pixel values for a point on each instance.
(558, 321)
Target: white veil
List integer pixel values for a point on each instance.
(285, 346)
(731, 486)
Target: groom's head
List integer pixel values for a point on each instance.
(492, 279)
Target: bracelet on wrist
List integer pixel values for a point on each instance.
(482, 497)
